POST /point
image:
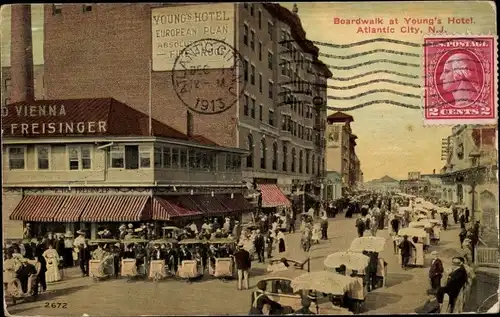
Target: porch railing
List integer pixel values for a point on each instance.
(486, 256)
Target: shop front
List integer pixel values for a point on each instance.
(49, 210)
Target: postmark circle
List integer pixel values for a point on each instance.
(207, 76)
(459, 78)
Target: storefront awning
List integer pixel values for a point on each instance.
(272, 196)
(71, 209)
(166, 208)
(115, 209)
(38, 208)
(237, 203)
(209, 205)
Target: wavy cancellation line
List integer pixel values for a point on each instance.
(373, 102)
(384, 40)
(375, 61)
(365, 83)
(380, 50)
(375, 91)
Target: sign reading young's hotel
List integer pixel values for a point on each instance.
(173, 30)
(46, 119)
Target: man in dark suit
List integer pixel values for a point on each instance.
(243, 265)
(436, 271)
(405, 247)
(456, 280)
(260, 244)
(24, 272)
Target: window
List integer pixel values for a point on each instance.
(246, 106)
(252, 40)
(275, 156)
(250, 148)
(270, 29)
(260, 19)
(307, 162)
(175, 158)
(260, 83)
(16, 158)
(251, 9)
(260, 51)
(158, 156)
(117, 159)
(245, 70)
(294, 158)
(263, 153)
(79, 157)
(252, 110)
(301, 161)
(252, 75)
(87, 7)
(7, 83)
(313, 163)
(144, 159)
(167, 157)
(271, 117)
(245, 35)
(183, 158)
(56, 8)
(285, 158)
(271, 90)
(245, 5)
(131, 157)
(270, 60)
(261, 112)
(284, 65)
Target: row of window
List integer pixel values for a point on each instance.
(79, 157)
(316, 165)
(300, 107)
(129, 157)
(296, 129)
(250, 76)
(249, 110)
(270, 25)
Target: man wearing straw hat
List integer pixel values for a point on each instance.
(243, 265)
(456, 280)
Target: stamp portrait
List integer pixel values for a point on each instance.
(460, 78)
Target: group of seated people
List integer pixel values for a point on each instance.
(18, 268)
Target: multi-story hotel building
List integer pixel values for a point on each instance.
(90, 163)
(104, 50)
(341, 150)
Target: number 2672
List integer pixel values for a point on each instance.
(56, 305)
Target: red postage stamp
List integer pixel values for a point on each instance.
(460, 79)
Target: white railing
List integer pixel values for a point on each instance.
(486, 256)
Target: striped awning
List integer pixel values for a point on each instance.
(237, 203)
(38, 208)
(71, 209)
(209, 204)
(115, 209)
(166, 208)
(272, 196)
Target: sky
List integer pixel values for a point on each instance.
(392, 140)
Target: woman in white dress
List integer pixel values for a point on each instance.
(52, 258)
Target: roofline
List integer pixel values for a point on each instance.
(98, 139)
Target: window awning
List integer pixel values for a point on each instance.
(209, 205)
(115, 209)
(272, 196)
(237, 203)
(38, 208)
(166, 208)
(71, 209)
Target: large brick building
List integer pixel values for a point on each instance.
(104, 50)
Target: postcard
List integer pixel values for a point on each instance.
(250, 158)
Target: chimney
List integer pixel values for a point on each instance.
(189, 124)
(21, 54)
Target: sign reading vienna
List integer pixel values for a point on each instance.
(174, 30)
(46, 119)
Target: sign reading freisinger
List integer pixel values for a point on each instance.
(175, 28)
